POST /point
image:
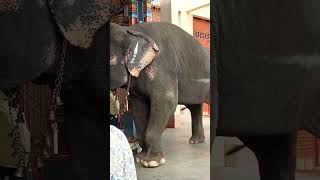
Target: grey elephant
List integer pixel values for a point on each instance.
(268, 77)
(31, 35)
(163, 66)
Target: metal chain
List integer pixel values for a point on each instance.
(58, 81)
(56, 100)
(19, 150)
(128, 93)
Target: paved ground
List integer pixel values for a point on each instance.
(191, 162)
(244, 164)
(183, 160)
(247, 174)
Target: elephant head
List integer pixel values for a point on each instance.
(79, 20)
(130, 52)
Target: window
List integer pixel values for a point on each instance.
(155, 2)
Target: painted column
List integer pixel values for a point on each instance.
(147, 11)
(137, 6)
(120, 12)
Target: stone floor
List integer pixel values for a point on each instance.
(245, 164)
(183, 160)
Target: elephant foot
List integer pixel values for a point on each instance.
(149, 161)
(196, 139)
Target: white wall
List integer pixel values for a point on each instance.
(181, 12)
(203, 12)
(165, 13)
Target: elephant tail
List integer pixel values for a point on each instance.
(235, 150)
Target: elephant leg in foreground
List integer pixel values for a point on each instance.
(197, 125)
(162, 107)
(276, 155)
(85, 96)
(86, 128)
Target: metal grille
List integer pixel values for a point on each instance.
(36, 100)
(201, 35)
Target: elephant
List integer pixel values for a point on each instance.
(268, 77)
(32, 35)
(162, 66)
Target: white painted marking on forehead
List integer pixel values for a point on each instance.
(132, 60)
(136, 49)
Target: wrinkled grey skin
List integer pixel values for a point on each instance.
(31, 36)
(269, 77)
(177, 73)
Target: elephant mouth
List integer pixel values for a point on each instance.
(121, 87)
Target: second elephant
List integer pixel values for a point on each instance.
(164, 66)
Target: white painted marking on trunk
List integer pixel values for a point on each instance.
(204, 80)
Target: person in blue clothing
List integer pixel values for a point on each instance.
(129, 127)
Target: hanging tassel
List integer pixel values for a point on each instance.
(48, 141)
(52, 116)
(55, 138)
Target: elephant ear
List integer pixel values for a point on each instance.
(79, 20)
(142, 51)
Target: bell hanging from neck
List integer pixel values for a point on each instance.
(19, 173)
(52, 116)
(40, 163)
(20, 170)
(59, 101)
(46, 153)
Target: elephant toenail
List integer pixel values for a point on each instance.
(162, 161)
(145, 163)
(153, 164)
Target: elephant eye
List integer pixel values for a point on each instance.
(123, 60)
(113, 61)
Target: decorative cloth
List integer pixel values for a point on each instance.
(122, 166)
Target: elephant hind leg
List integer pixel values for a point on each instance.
(196, 123)
(276, 155)
(140, 112)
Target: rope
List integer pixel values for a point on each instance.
(128, 88)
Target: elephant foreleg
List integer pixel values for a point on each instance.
(276, 155)
(86, 128)
(197, 124)
(162, 107)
